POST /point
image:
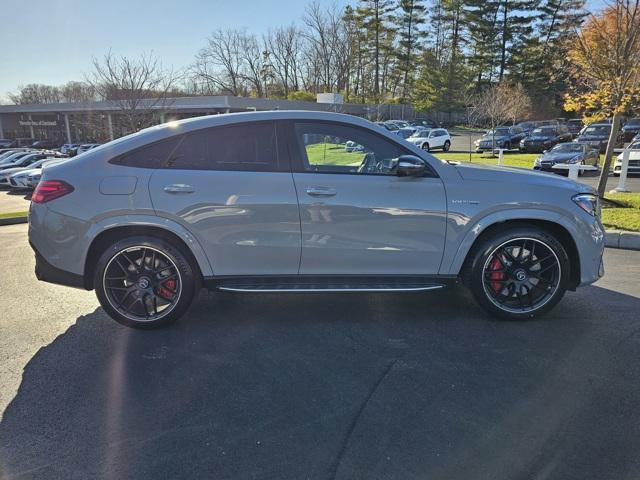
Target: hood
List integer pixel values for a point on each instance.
(26, 171)
(586, 138)
(487, 173)
(8, 171)
(538, 137)
(560, 157)
(491, 137)
(631, 128)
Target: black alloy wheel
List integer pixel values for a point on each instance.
(519, 274)
(145, 283)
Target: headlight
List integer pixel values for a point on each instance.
(537, 162)
(477, 143)
(588, 202)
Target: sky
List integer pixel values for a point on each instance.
(53, 41)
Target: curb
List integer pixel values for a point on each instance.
(13, 220)
(622, 239)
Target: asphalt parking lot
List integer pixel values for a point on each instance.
(319, 386)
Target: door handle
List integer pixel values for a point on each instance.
(321, 191)
(179, 188)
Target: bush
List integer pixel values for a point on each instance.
(302, 96)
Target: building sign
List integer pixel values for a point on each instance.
(38, 123)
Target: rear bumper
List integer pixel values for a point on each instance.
(48, 273)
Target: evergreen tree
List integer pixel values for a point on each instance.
(411, 16)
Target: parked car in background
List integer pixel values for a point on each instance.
(5, 142)
(303, 220)
(634, 159)
(631, 129)
(20, 178)
(575, 125)
(27, 159)
(86, 147)
(500, 137)
(544, 138)
(67, 148)
(46, 144)
(405, 132)
(431, 139)
(547, 123)
(567, 153)
(34, 178)
(596, 135)
(12, 157)
(5, 152)
(527, 127)
(30, 162)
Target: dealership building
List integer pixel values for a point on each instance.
(100, 121)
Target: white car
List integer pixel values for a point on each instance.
(85, 147)
(634, 160)
(431, 138)
(6, 176)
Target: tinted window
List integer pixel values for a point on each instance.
(151, 156)
(245, 147)
(336, 148)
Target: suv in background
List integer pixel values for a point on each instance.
(544, 137)
(631, 129)
(46, 144)
(597, 135)
(500, 137)
(270, 202)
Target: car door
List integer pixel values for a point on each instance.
(232, 187)
(357, 216)
(436, 139)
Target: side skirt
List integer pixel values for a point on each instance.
(328, 284)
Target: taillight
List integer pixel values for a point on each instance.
(50, 190)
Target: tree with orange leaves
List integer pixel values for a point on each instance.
(605, 59)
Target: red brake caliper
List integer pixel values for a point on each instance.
(167, 288)
(496, 264)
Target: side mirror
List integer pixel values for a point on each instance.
(410, 166)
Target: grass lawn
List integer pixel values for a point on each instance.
(332, 154)
(14, 214)
(622, 218)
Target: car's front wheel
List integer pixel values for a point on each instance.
(518, 273)
(145, 282)
(425, 146)
(446, 146)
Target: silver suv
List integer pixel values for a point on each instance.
(274, 202)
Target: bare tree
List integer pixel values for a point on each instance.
(492, 106)
(219, 66)
(518, 102)
(139, 87)
(77, 92)
(284, 45)
(36, 93)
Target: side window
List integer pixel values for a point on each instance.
(244, 147)
(337, 148)
(151, 156)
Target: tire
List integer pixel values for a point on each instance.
(446, 146)
(425, 147)
(515, 288)
(145, 272)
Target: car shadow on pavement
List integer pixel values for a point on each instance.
(335, 386)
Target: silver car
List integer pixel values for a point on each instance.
(272, 202)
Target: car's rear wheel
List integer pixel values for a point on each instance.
(518, 273)
(145, 282)
(425, 147)
(446, 146)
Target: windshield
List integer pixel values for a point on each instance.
(420, 132)
(498, 132)
(568, 148)
(545, 131)
(634, 121)
(599, 130)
